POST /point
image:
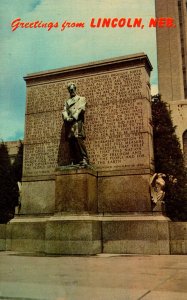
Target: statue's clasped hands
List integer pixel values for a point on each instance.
(69, 119)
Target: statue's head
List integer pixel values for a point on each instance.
(72, 89)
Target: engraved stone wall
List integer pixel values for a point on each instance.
(117, 121)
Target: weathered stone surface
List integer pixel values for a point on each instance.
(53, 236)
(128, 193)
(119, 138)
(136, 236)
(26, 235)
(178, 237)
(41, 158)
(76, 191)
(2, 237)
(73, 237)
(117, 118)
(38, 197)
(92, 234)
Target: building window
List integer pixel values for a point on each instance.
(185, 147)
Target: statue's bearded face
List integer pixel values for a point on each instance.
(72, 90)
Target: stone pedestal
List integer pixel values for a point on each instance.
(73, 235)
(70, 235)
(38, 195)
(178, 237)
(93, 234)
(136, 234)
(76, 190)
(119, 192)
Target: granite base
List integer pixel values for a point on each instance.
(76, 190)
(93, 234)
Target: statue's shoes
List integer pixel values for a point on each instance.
(84, 163)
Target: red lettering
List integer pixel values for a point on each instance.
(27, 25)
(44, 25)
(92, 23)
(63, 26)
(22, 24)
(35, 24)
(50, 25)
(170, 22)
(80, 25)
(99, 22)
(122, 22)
(162, 22)
(137, 22)
(152, 22)
(114, 22)
(15, 24)
(129, 23)
(39, 24)
(106, 22)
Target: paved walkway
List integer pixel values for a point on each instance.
(101, 277)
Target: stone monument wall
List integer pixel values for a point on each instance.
(117, 123)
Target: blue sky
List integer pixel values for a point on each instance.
(30, 50)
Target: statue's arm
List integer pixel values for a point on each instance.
(81, 108)
(65, 114)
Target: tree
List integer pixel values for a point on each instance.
(8, 187)
(169, 159)
(18, 163)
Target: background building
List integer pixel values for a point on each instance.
(172, 64)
